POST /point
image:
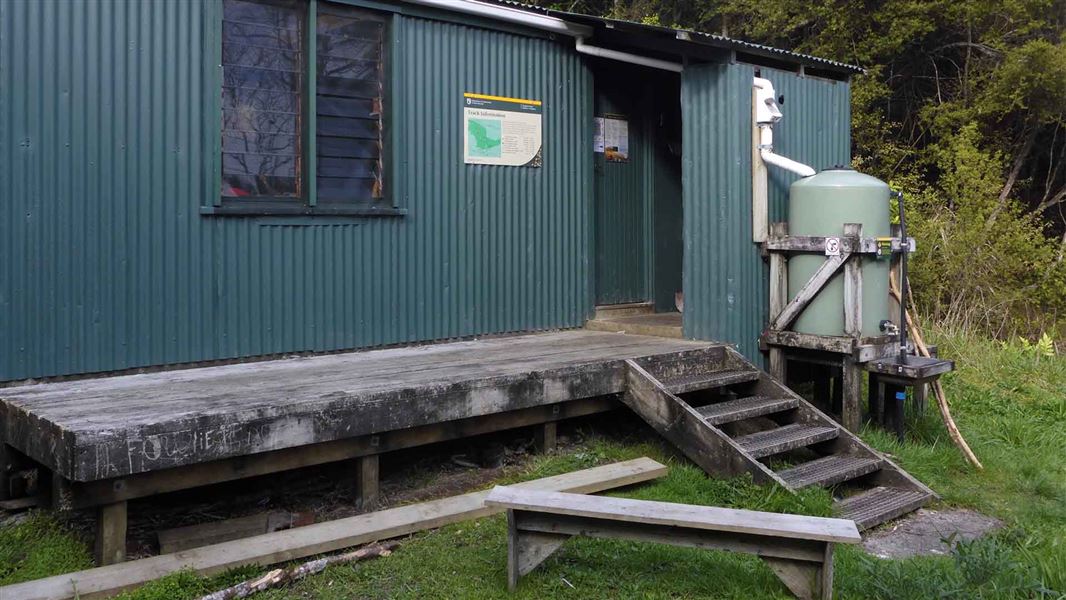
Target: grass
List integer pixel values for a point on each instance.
(1009, 403)
(38, 547)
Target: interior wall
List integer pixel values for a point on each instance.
(666, 191)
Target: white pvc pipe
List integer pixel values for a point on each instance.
(766, 144)
(636, 59)
(510, 15)
(786, 163)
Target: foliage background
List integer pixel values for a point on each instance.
(963, 107)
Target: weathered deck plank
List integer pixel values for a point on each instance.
(110, 427)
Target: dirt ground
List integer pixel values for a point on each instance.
(928, 531)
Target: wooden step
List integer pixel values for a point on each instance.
(608, 311)
(745, 408)
(829, 470)
(690, 382)
(783, 439)
(875, 506)
(657, 324)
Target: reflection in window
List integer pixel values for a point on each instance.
(349, 98)
(261, 81)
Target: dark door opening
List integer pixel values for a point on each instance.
(638, 216)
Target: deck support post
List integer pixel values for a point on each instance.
(366, 481)
(876, 399)
(823, 392)
(921, 391)
(110, 546)
(544, 436)
(8, 467)
(778, 364)
(851, 394)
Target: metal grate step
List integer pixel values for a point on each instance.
(879, 504)
(745, 408)
(829, 470)
(782, 439)
(691, 382)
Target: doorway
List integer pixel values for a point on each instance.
(638, 216)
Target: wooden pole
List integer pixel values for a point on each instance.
(853, 286)
(778, 299)
(760, 204)
(938, 390)
(778, 274)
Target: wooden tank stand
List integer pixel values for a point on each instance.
(850, 352)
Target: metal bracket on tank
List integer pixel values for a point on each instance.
(853, 245)
(892, 245)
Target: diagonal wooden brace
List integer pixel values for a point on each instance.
(809, 290)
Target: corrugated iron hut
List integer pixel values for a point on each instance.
(200, 181)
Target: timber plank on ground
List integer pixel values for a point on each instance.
(319, 538)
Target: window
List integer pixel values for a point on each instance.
(303, 107)
(350, 96)
(261, 87)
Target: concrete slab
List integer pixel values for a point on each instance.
(929, 532)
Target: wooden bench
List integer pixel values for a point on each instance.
(798, 549)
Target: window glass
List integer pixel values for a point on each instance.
(350, 91)
(261, 82)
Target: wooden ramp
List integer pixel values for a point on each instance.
(731, 418)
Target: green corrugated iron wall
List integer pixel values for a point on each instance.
(107, 264)
(816, 129)
(725, 278)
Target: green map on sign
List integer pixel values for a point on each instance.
(484, 138)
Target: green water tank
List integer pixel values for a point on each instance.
(820, 205)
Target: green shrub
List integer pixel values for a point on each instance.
(982, 265)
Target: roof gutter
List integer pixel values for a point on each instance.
(636, 59)
(509, 15)
(546, 23)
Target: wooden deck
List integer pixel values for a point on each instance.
(114, 427)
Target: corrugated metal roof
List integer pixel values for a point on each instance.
(693, 37)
